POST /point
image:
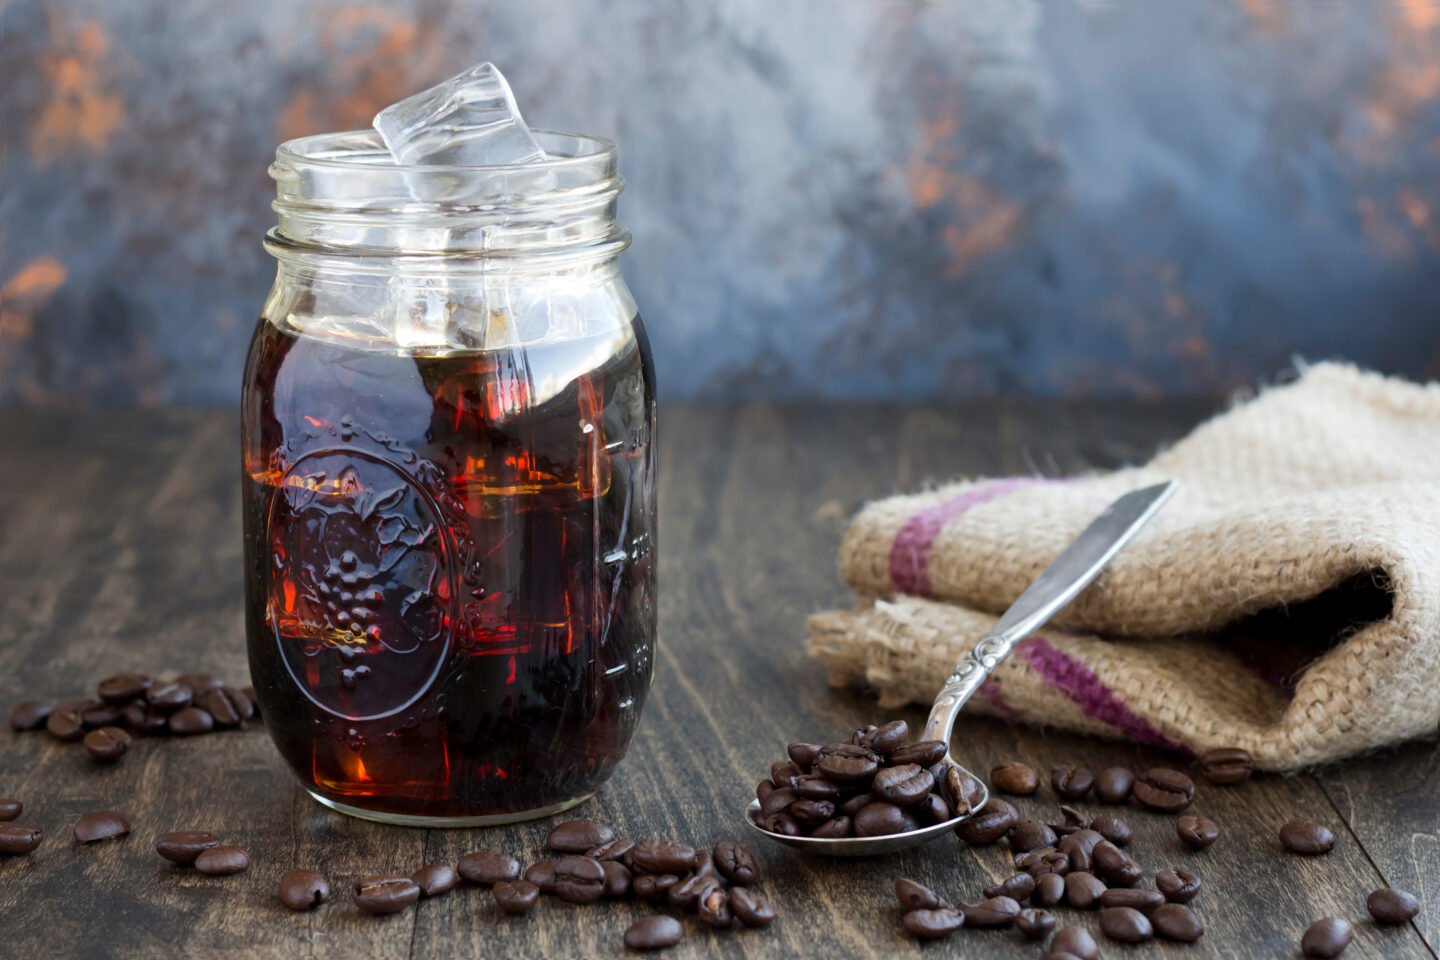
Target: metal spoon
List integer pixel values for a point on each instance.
(1060, 583)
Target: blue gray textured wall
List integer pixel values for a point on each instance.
(841, 199)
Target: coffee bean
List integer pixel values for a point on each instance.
(184, 846)
(1326, 938)
(1075, 941)
(1392, 907)
(1307, 837)
(437, 878)
(617, 878)
(219, 704)
(1049, 861)
(1113, 785)
(1197, 833)
(101, 715)
(1031, 835)
(776, 801)
(852, 806)
(991, 912)
(714, 908)
(199, 682)
(904, 785)
(1034, 924)
(486, 867)
(222, 861)
(814, 787)
(515, 896)
(782, 824)
(847, 763)
(1175, 921)
(1071, 782)
(889, 738)
(838, 828)
(1079, 846)
(1115, 829)
(1163, 789)
(989, 824)
(925, 753)
(803, 754)
(660, 856)
(169, 697)
(735, 863)
(123, 687)
(1125, 924)
(1142, 900)
(107, 744)
(189, 721)
(578, 879)
(862, 734)
(811, 812)
(254, 703)
(152, 723)
(687, 893)
(1073, 821)
(101, 825)
(1083, 890)
(962, 791)
(16, 839)
(750, 908)
(934, 924)
(1178, 885)
(64, 723)
(1115, 866)
(653, 933)
(613, 850)
(882, 819)
(783, 773)
(763, 789)
(1049, 890)
(1018, 887)
(10, 808)
(303, 889)
(1226, 765)
(577, 836)
(916, 896)
(542, 874)
(653, 886)
(31, 715)
(1016, 778)
(382, 895)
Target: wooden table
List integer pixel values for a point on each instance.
(120, 549)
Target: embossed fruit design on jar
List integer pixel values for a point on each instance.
(448, 416)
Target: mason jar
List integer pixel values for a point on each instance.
(449, 482)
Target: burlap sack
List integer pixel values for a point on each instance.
(1286, 600)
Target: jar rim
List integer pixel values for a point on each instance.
(370, 153)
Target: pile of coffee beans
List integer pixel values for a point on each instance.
(875, 784)
(135, 704)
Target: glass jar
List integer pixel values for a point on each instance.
(449, 483)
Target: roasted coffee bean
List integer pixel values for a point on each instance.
(989, 824)
(654, 933)
(542, 874)
(134, 716)
(223, 860)
(101, 825)
(64, 723)
(1178, 885)
(303, 889)
(169, 697)
(714, 908)
(1032, 858)
(1031, 835)
(254, 704)
(815, 787)
(852, 806)
(660, 856)
(803, 754)
(243, 701)
(617, 878)
(961, 791)
(687, 893)
(183, 846)
(199, 682)
(1071, 782)
(811, 812)
(1078, 846)
(1034, 924)
(1307, 837)
(577, 836)
(1113, 785)
(1226, 765)
(1125, 924)
(704, 864)
(189, 721)
(916, 896)
(1083, 890)
(107, 744)
(1163, 789)
(890, 737)
(847, 763)
(882, 819)
(933, 924)
(1327, 938)
(1175, 921)
(991, 912)
(123, 687)
(613, 850)
(653, 886)
(486, 867)
(904, 785)
(838, 828)
(1049, 889)
(381, 895)
(219, 703)
(1018, 887)
(926, 753)
(101, 715)
(17, 839)
(31, 715)
(152, 724)
(10, 808)
(763, 789)
(578, 879)
(1073, 821)
(1115, 829)
(1142, 900)
(735, 863)
(1392, 907)
(1075, 941)
(782, 824)
(515, 896)
(1050, 861)
(863, 734)
(436, 878)
(750, 908)
(931, 809)
(784, 773)
(777, 800)
(1115, 866)
(1015, 778)
(1197, 833)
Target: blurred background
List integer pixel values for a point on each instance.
(855, 199)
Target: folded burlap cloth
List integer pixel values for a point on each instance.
(1286, 600)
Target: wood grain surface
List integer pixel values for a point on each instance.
(120, 549)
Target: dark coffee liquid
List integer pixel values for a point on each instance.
(449, 567)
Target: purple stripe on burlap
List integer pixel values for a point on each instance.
(991, 691)
(1089, 693)
(910, 553)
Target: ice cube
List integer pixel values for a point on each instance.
(469, 120)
